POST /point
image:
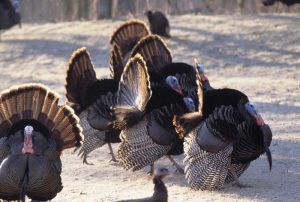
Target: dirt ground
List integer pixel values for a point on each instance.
(259, 55)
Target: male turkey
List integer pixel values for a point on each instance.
(222, 138)
(160, 190)
(159, 23)
(34, 132)
(180, 76)
(144, 115)
(92, 100)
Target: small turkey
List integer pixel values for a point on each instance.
(222, 138)
(144, 115)
(159, 23)
(34, 132)
(160, 190)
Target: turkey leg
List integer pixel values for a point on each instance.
(113, 158)
(179, 168)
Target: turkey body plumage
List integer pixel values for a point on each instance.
(40, 173)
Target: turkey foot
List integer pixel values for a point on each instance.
(113, 158)
(178, 167)
(236, 179)
(85, 161)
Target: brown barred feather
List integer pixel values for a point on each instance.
(80, 74)
(93, 138)
(128, 34)
(116, 62)
(154, 51)
(137, 149)
(38, 103)
(239, 169)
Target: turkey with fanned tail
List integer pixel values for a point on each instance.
(34, 132)
(92, 100)
(180, 76)
(144, 115)
(222, 138)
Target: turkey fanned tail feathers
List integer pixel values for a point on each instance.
(116, 62)
(133, 94)
(80, 75)
(154, 51)
(55, 128)
(128, 34)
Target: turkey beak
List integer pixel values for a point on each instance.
(259, 119)
(178, 90)
(269, 156)
(203, 77)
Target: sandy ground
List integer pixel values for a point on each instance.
(259, 55)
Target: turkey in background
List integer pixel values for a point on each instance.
(159, 23)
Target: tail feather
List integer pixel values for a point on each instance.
(186, 123)
(36, 105)
(134, 92)
(80, 74)
(116, 63)
(154, 51)
(128, 34)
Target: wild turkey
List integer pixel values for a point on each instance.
(144, 115)
(92, 100)
(286, 2)
(159, 23)
(160, 190)
(222, 138)
(127, 35)
(8, 16)
(34, 132)
(180, 76)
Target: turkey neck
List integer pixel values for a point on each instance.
(160, 191)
